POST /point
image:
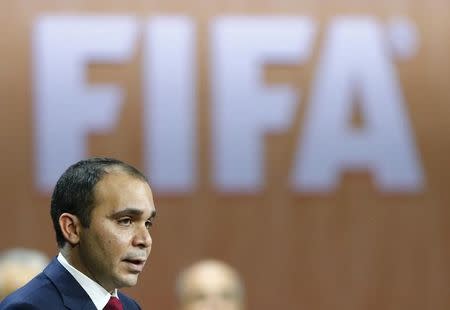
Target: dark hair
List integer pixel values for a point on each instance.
(74, 192)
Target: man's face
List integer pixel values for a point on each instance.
(113, 250)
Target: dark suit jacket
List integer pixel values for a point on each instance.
(53, 289)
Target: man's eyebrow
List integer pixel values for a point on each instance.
(132, 212)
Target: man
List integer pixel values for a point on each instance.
(102, 210)
(17, 267)
(210, 285)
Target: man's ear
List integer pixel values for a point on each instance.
(70, 226)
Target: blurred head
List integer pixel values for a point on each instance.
(102, 210)
(210, 285)
(17, 267)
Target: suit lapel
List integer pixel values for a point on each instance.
(127, 303)
(73, 295)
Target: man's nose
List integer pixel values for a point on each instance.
(142, 237)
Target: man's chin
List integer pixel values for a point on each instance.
(128, 280)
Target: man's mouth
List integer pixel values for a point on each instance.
(135, 265)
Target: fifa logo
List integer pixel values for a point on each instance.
(355, 65)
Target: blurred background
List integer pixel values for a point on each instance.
(305, 143)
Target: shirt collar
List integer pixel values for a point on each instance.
(96, 292)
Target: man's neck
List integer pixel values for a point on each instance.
(71, 255)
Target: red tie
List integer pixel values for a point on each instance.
(113, 304)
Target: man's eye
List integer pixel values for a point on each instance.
(125, 221)
(148, 224)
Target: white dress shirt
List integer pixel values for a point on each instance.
(96, 292)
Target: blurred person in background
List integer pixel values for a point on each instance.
(17, 267)
(210, 285)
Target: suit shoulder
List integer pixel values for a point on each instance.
(39, 293)
(19, 306)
